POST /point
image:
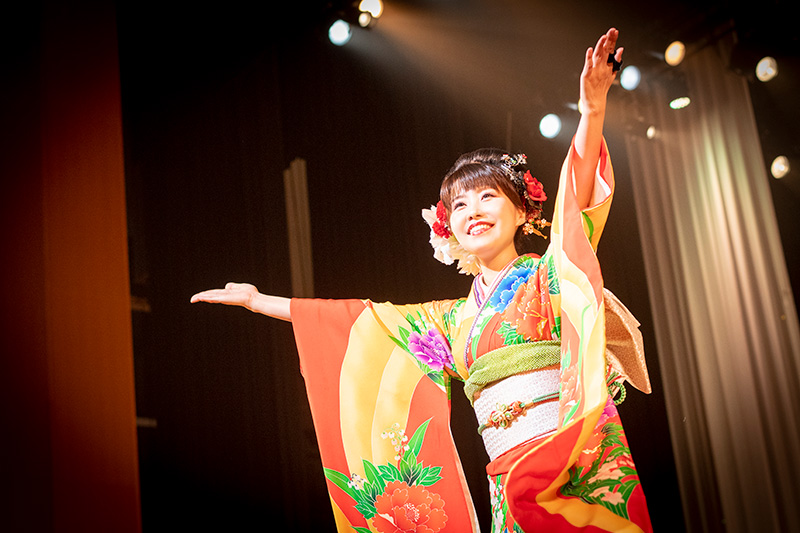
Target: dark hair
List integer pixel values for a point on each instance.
(479, 169)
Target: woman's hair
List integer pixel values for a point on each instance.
(480, 169)
(476, 170)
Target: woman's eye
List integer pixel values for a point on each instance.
(487, 194)
(457, 205)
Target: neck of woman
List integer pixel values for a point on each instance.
(490, 269)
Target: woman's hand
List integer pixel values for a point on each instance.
(598, 73)
(247, 296)
(240, 294)
(596, 79)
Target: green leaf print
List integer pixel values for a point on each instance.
(374, 476)
(589, 226)
(341, 481)
(606, 482)
(415, 444)
(553, 286)
(509, 334)
(390, 473)
(430, 475)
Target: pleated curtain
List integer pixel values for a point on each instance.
(726, 323)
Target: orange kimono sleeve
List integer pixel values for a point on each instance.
(583, 476)
(379, 398)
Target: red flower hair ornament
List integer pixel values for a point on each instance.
(440, 227)
(534, 189)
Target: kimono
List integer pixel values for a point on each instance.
(538, 368)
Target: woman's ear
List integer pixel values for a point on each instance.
(521, 219)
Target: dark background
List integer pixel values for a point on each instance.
(218, 100)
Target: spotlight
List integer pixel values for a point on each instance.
(766, 69)
(677, 90)
(675, 53)
(339, 33)
(780, 167)
(373, 7)
(652, 132)
(365, 20)
(630, 78)
(550, 126)
(680, 102)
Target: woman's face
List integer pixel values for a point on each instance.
(485, 221)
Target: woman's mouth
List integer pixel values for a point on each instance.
(478, 228)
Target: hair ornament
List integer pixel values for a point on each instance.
(509, 161)
(440, 227)
(446, 247)
(530, 190)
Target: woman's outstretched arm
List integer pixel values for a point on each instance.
(596, 79)
(247, 296)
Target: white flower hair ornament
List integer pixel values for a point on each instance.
(446, 247)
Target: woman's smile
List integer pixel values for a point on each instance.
(478, 227)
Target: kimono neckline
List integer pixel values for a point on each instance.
(481, 290)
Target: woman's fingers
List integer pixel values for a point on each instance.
(606, 45)
(213, 295)
(232, 294)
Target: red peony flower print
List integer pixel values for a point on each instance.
(403, 509)
(535, 189)
(530, 312)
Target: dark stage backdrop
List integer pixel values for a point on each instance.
(214, 108)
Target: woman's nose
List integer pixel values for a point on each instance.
(475, 211)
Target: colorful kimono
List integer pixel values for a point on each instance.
(533, 353)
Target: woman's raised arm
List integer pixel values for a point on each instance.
(247, 296)
(596, 79)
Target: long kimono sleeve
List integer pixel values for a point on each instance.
(381, 413)
(583, 475)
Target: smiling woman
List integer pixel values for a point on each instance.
(529, 341)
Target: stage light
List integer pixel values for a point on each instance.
(339, 33)
(780, 167)
(365, 20)
(630, 78)
(373, 7)
(652, 132)
(680, 102)
(675, 53)
(550, 126)
(676, 89)
(766, 69)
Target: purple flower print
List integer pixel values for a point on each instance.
(431, 348)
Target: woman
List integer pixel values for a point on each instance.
(530, 342)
